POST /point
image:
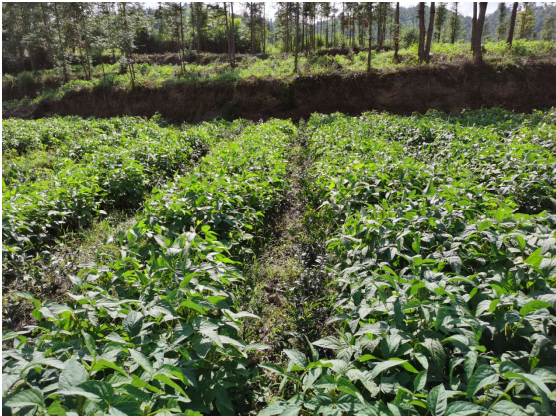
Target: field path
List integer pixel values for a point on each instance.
(285, 284)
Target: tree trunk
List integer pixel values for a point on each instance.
(474, 25)
(296, 37)
(314, 34)
(455, 22)
(421, 51)
(379, 29)
(334, 31)
(343, 26)
(370, 36)
(303, 32)
(326, 42)
(264, 27)
(228, 36)
(477, 47)
(198, 14)
(61, 43)
(252, 28)
(512, 25)
(48, 36)
(182, 53)
(430, 32)
(233, 42)
(287, 28)
(397, 32)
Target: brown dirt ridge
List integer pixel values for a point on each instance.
(447, 88)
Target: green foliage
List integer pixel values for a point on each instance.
(155, 326)
(440, 232)
(276, 66)
(92, 166)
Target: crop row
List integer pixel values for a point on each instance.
(155, 327)
(83, 141)
(441, 238)
(21, 136)
(94, 173)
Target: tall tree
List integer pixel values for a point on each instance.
(512, 24)
(502, 28)
(421, 13)
(325, 10)
(233, 34)
(427, 54)
(478, 47)
(370, 14)
(440, 21)
(549, 28)
(264, 27)
(198, 11)
(182, 41)
(295, 67)
(526, 22)
(474, 25)
(61, 42)
(396, 32)
(455, 23)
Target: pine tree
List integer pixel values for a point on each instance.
(502, 29)
(526, 22)
(440, 20)
(549, 28)
(454, 23)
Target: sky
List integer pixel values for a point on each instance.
(466, 7)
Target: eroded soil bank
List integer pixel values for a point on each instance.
(446, 88)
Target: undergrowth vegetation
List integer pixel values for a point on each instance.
(48, 83)
(436, 235)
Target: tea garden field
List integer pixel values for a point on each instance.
(371, 265)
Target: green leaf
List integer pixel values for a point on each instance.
(535, 258)
(534, 382)
(135, 392)
(483, 376)
(298, 358)
(167, 380)
(102, 364)
(277, 369)
(30, 397)
(533, 306)
(73, 375)
(8, 380)
(192, 305)
(326, 382)
(437, 400)
(280, 408)
(125, 408)
(142, 361)
(56, 409)
(506, 408)
(223, 402)
(90, 343)
(420, 381)
(346, 386)
(548, 268)
(455, 263)
(463, 409)
(384, 365)
(133, 323)
(96, 391)
(332, 343)
(436, 350)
